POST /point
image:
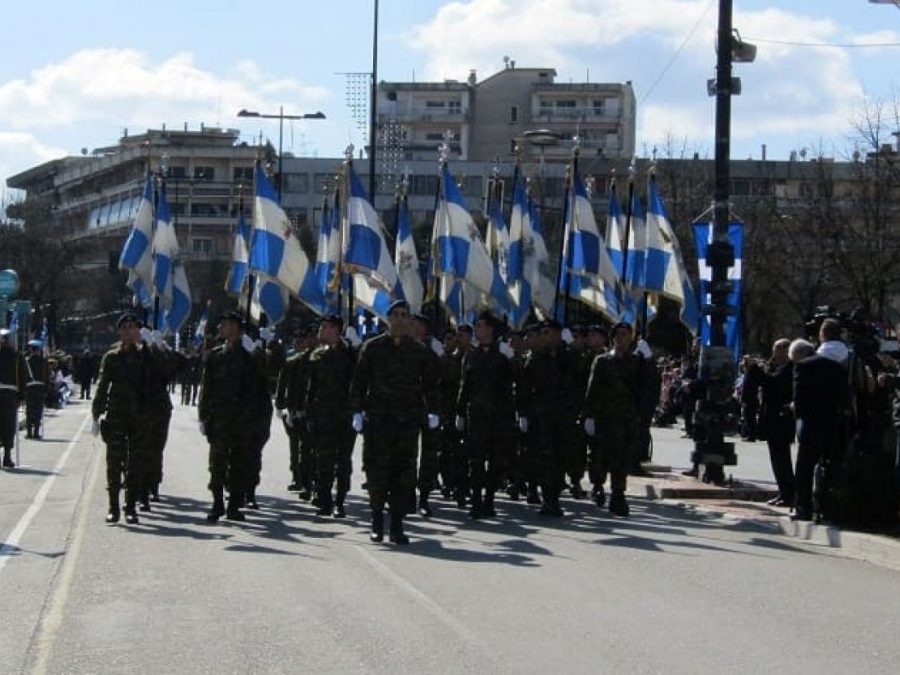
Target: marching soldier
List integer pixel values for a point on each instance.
(392, 390)
(289, 395)
(226, 394)
(612, 410)
(549, 402)
(37, 376)
(485, 413)
(595, 345)
(448, 437)
(11, 393)
(450, 378)
(326, 403)
(428, 459)
(263, 360)
(119, 411)
(165, 367)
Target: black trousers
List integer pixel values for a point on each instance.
(813, 448)
(782, 469)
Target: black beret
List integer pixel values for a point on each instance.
(333, 319)
(128, 317)
(622, 324)
(422, 319)
(465, 328)
(596, 328)
(551, 323)
(398, 304)
(232, 315)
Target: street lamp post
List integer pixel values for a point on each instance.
(281, 117)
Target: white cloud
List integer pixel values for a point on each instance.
(806, 93)
(123, 87)
(19, 150)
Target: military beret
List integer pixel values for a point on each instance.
(596, 328)
(622, 324)
(398, 304)
(465, 328)
(232, 315)
(531, 328)
(421, 318)
(128, 317)
(551, 323)
(333, 319)
(487, 315)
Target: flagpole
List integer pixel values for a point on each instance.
(348, 164)
(156, 190)
(560, 269)
(251, 278)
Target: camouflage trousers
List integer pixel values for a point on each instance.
(127, 454)
(332, 439)
(391, 450)
(428, 459)
(157, 435)
(612, 452)
(229, 451)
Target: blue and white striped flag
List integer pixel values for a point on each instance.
(200, 331)
(365, 249)
(664, 250)
(529, 274)
(637, 244)
(276, 255)
(328, 257)
(585, 248)
(237, 274)
(462, 252)
(179, 307)
(136, 256)
(615, 231)
(703, 233)
(407, 261)
(165, 250)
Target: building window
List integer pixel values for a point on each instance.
(202, 245)
(599, 107)
(434, 136)
(566, 104)
(423, 185)
(322, 181)
(243, 173)
(204, 173)
(435, 104)
(204, 210)
(514, 114)
(296, 182)
(454, 107)
(177, 172)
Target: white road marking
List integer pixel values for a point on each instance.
(426, 602)
(45, 636)
(12, 541)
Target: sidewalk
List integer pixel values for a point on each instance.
(744, 500)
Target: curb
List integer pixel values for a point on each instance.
(873, 548)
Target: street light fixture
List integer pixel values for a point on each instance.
(281, 117)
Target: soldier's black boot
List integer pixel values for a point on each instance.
(131, 516)
(233, 512)
(8, 463)
(339, 511)
(145, 499)
(476, 511)
(218, 507)
(113, 516)
(397, 535)
(576, 490)
(325, 504)
(617, 504)
(599, 496)
(154, 492)
(251, 499)
(424, 506)
(487, 508)
(376, 536)
(533, 497)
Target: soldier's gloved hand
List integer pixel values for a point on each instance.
(357, 422)
(95, 428)
(202, 427)
(437, 346)
(434, 421)
(267, 334)
(352, 337)
(523, 424)
(286, 418)
(590, 428)
(566, 336)
(460, 423)
(506, 349)
(146, 334)
(248, 344)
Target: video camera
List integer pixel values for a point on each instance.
(862, 336)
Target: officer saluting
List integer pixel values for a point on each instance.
(393, 387)
(123, 391)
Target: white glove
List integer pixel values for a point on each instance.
(202, 427)
(643, 349)
(352, 337)
(567, 336)
(95, 428)
(433, 421)
(248, 343)
(155, 337)
(357, 422)
(286, 417)
(507, 350)
(267, 334)
(460, 423)
(523, 425)
(437, 346)
(590, 428)
(146, 335)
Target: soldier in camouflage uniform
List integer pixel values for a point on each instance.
(166, 365)
(327, 409)
(595, 345)
(392, 390)
(431, 438)
(549, 412)
(121, 400)
(228, 388)
(261, 429)
(289, 394)
(485, 412)
(527, 448)
(450, 378)
(612, 410)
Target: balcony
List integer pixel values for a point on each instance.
(426, 115)
(568, 115)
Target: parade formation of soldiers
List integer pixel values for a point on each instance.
(475, 414)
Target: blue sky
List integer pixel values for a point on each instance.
(76, 74)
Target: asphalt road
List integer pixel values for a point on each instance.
(662, 592)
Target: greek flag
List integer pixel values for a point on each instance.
(615, 231)
(164, 249)
(703, 233)
(136, 256)
(372, 297)
(461, 250)
(276, 255)
(637, 244)
(666, 273)
(237, 274)
(180, 305)
(407, 262)
(200, 331)
(365, 250)
(586, 250)
(497, 239)
(529, 263)
(328, 256)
